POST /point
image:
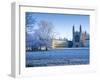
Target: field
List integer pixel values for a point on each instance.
(54, 57)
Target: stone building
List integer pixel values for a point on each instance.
(80, 38)
(59, 43)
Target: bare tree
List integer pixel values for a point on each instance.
(41, 37)
(45, 32)
(30, 21)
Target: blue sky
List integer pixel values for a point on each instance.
(62, 22)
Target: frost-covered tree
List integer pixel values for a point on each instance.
(45, 33)
(29, 21)
(40, 37)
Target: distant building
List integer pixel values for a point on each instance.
(70, 44)
(80, 39)
(83, 39)
(77, 37)
(87, 41)
(59, 43)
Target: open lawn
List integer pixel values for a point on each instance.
(67, 56)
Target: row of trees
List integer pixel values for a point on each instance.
(40, 38)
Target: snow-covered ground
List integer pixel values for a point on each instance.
(57, 57)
